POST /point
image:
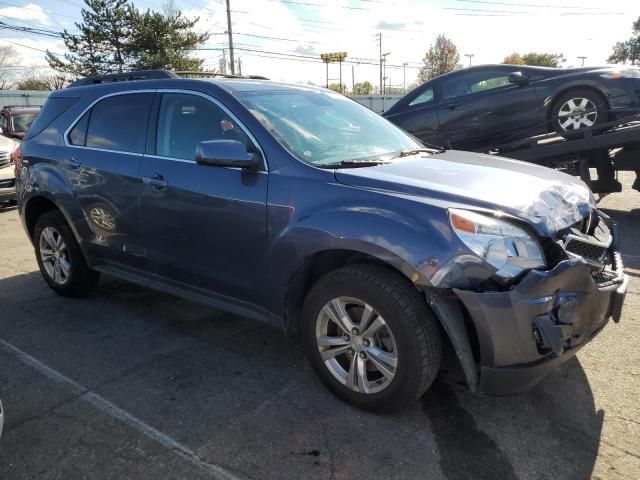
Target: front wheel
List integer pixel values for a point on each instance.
(370, 337)
(578, 109)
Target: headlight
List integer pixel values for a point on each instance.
(504, 246)
(628, 73)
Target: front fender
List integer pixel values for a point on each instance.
(418, 243)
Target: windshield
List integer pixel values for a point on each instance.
(324, 128)
(22, 122)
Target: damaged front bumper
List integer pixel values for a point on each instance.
(527, 331)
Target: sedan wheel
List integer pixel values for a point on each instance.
(577, 113)
(356, 345)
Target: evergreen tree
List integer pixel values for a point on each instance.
(165, 40)
(103, 42)
(115, 36)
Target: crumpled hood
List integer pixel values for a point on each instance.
(544, 197)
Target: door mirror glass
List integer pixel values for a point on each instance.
(225, 153)
(518, 78)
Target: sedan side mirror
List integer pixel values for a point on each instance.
(518, 78)
(225, 153)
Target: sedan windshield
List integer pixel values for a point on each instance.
(323, 128)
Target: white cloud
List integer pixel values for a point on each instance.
(411, 26)
(30, 12)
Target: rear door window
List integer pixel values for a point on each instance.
(116, 123)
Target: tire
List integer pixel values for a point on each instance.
(77, 279)
(578, 100)
(410, 334)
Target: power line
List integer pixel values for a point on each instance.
(509, 4)
(311, 4)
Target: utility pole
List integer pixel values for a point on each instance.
(470, 55)
(353, 78)
(380, 42)
(341, 88)
(229, 31)
(583, 59)
(239, 66)
(404, 77)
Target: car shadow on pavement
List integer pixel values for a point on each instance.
(240, 394)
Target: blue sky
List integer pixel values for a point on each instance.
(282, 39)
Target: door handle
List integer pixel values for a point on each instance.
(452, 106)
(157, 181)
(73, 163)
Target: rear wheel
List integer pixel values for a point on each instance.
(370, 337)
(60, 259)
(578, 109)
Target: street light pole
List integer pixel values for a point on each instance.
(404, 78)
(470, 55)
(233, 67)
(384, 71)
(380, 43)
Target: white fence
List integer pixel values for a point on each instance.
(22, 97)
(377, 103)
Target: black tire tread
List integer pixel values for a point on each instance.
(417, 314)
(83, 280)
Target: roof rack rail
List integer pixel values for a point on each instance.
(123, 77)
(223, 75)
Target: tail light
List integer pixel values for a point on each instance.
(16, 158)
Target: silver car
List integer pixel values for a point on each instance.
(7, 176)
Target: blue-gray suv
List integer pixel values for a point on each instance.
(296, 206)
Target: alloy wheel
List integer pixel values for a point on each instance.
(577, 113)
(356, 345)
(54, 255)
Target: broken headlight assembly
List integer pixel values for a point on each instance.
(505, 246)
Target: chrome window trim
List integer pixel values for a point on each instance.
(214, 100)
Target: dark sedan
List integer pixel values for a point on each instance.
(480, 107)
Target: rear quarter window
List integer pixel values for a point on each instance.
(52, 109)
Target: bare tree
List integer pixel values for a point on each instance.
(7, 55)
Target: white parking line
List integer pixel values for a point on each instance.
(116, 412)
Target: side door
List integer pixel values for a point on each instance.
(204, 226)
(102, 163)
(481, 108)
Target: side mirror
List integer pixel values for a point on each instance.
(518, 78)
(225, 153)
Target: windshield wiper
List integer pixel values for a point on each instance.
(415, 151)
(354, 163)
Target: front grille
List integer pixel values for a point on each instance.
(8, 183)
(605, 278)
(586, 250)
(5, 158)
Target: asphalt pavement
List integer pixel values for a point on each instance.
(131, 383)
